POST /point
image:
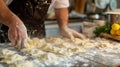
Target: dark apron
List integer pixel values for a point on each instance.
(32, 13)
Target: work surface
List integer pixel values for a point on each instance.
(62, 52)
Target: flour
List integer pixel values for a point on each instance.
(54, 51)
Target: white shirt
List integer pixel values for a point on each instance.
(59, 3)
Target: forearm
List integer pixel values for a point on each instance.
(6, 16)
(62, 17)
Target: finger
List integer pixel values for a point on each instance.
(14, 43)
(24, 40)
(12, 37)
(14, 33)
(67, 33)
(70, 35)
(19, 44)
(24, 43)
(9, 36)
(78, 35)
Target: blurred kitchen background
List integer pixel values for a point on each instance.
(84, 16)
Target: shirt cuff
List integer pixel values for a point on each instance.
(61, 4)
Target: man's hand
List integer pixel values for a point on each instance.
(70, 33)
(62, 18)
(17, 34)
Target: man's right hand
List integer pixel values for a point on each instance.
(17, 34)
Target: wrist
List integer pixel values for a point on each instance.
(62, 25)
(13, 21)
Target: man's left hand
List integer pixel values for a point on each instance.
(70, 33)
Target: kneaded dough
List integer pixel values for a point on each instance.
(10, 56)
(46, 49)
(23, 64)
(104, 45)
(51, 49)
(49, 57)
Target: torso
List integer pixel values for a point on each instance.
(33, 14)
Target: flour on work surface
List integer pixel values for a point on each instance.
(52, 50)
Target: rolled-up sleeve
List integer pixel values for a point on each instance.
(60, 3)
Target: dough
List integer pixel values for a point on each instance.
(33, 52)
(49, 49)
(33, 43)
(49, 57)
(104, 45)
(54, 40)
(23, 64)
(10, 56)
